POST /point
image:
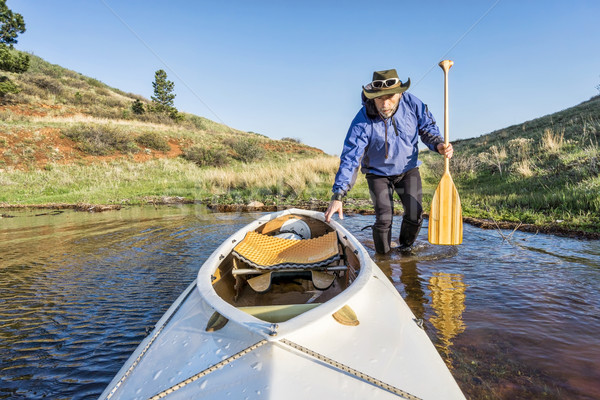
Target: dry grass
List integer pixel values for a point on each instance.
(297, 175)
(129, 182)
(523, 168)
(552, 141)
(87, 119)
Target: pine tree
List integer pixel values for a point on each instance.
(11, 24)
(137, 107)
(163, 93)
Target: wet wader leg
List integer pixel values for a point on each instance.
(382, 197)
(409, 188)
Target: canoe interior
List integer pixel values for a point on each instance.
(295, 292)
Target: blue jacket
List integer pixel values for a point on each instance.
(366, 144)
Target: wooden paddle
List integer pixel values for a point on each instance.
(445, 217)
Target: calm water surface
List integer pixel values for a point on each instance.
(514, 319)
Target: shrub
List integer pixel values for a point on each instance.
(246, 150)
(112, 102)
(101, 91)
(76, 83)
(45, 83)
(12, 60)
(100, 140)
(137, 107)
(293, 140)
(7, 86)
(153, 140)
(206, 157)
(94, 82)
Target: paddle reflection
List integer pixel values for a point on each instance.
(448, 304)
(447, 291)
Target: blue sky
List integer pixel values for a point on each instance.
(295, 69)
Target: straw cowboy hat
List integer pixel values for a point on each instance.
(384, 83)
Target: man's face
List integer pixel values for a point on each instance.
(386, 105)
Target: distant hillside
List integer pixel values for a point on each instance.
(61, 117)
(544, 171)
(68, 138)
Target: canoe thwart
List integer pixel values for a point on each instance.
(252, 271)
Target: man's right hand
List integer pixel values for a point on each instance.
(335, 206)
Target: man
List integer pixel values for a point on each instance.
(383, 139)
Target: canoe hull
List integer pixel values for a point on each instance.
(385, 355)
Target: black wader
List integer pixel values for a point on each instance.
(382, 188)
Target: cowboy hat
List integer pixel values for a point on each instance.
(384, 83)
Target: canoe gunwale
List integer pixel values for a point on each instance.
(266, 329)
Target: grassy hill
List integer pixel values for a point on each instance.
(545, 171)
(69, 138)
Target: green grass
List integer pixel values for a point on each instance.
(543, 172)
(126, 182)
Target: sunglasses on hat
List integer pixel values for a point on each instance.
(380, 84)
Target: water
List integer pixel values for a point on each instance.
(516, 318)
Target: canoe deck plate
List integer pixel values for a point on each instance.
(352, 371)
(314, 354)
(207, 371)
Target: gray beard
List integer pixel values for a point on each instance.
(387, 115)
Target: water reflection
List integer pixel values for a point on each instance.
(413, 287)
(445, 294)
(78, 291)
(515, 319)
(408, 281)
(448, 303)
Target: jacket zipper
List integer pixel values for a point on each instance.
(386, 139)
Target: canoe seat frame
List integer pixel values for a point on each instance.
(286, 260)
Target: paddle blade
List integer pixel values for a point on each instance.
(445, 217)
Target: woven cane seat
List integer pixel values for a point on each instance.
(273, 253)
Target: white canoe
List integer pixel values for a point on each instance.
(355, 340)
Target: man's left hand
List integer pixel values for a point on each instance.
(445, 150)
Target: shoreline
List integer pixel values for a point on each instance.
(354, 207)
